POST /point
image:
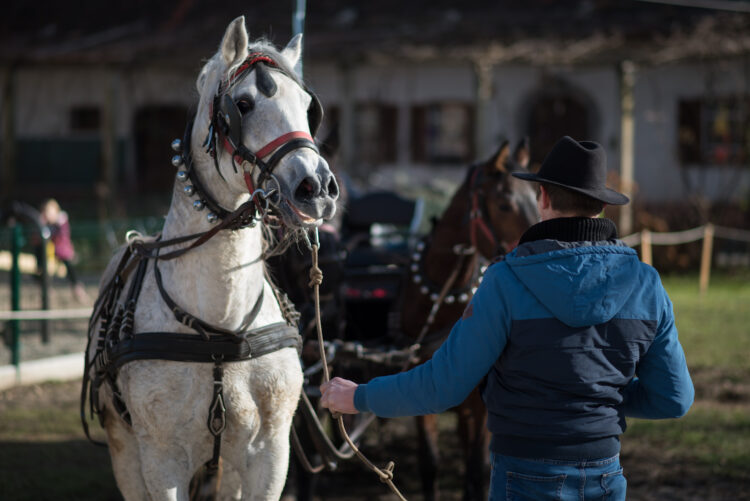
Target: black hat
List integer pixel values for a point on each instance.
(578, 166)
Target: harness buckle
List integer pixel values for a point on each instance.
(217, 421)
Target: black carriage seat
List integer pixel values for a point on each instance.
(380, 229)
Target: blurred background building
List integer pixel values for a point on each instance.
(93, 92)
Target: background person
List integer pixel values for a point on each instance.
(58, 223)
(568, 334)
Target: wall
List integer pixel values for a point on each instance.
(658, 90)
(44, 97)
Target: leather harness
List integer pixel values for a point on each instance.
(117, 344)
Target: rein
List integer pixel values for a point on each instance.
(316, 278)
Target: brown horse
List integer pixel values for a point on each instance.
(486, 217)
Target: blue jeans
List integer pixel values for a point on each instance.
(518, 479)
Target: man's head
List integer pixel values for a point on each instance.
(556, 201)
(572, 180)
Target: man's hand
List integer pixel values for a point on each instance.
(338, 395)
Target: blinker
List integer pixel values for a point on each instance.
(264, 81)
(231, 120)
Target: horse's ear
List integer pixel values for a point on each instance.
(523, 152)
(293, 50)
(234, 44)
(501, 158)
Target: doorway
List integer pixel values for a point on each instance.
(155, 128)
(554, 116)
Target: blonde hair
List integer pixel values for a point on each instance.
(50, 210)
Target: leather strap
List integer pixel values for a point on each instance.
(201, 327)
(180, 347)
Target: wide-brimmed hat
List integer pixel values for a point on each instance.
(579, 166)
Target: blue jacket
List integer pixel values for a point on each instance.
(571, 337)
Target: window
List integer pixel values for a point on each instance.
(85, 119)
(714, 131)
(443, 133)
(375, 133)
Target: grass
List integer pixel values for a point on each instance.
(715, 333)
(715, 328)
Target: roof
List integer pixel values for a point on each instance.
(182, 32)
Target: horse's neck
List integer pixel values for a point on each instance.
(221, 280)
(451, 233)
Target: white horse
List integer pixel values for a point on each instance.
(253, 145)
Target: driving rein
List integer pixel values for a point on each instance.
(117, 344)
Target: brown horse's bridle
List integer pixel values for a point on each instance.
(478, 216)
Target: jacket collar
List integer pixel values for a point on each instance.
(572, 229)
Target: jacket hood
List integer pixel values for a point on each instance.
(580, 283)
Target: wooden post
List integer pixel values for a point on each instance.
(627, 134)
(483, 74)
(646, 247)
(8, 160)
(347, 123)
(108, 137)
(298, 26)
(708, 245)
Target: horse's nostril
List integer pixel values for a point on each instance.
(333, 189)
(305, 190)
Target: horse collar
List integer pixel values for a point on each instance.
(431, 290)
(194, 186)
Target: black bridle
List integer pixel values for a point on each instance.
(225, 127)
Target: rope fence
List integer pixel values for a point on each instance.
(67, 314)
(707, 232)
(646, 239)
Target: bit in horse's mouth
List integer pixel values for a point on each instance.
(301, 215)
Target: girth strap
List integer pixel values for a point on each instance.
(191, 348)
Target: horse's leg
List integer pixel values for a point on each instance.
(427, 434)
(267, 468)
(472, 422)
(126, 463)
(301, 483)
(263, 458)
(166, 470)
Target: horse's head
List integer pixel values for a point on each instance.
(502, 206)
(255, 123)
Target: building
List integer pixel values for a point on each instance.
(92, 98)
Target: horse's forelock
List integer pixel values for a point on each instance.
(213, 72)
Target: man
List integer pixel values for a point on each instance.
(569, 334)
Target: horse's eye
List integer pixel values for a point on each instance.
(245, 105)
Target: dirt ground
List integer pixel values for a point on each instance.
(652, 475)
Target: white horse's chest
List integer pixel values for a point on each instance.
(170, 401)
